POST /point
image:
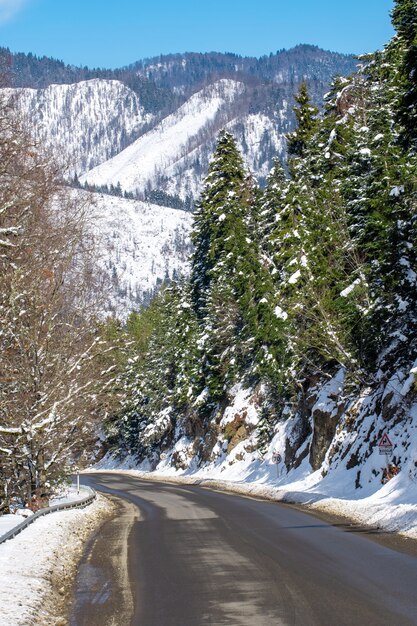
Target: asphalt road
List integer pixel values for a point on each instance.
(187, 556)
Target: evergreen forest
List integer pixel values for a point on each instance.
(293, 284)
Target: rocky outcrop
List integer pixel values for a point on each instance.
(325, 413)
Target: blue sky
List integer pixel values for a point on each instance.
(112, 33)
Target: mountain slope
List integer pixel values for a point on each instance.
(139, 246)
(175, 154)
(191, 96)
(84, 123)
(185, 73)
(29, 70)
(147, 160)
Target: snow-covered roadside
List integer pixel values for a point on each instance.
(348, 481)
(37, 567)
(7, 522)
(10, 521)
(391, 508)
(70, 494)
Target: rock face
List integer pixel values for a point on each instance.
(325, 414)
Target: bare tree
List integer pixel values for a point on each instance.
(52, 383)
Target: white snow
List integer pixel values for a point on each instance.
(68, 494)
(10, 521)
(241, 405)
(140, 245)
(28, 561)
(85, 123)
(150, 156)
(294, 277)
(325, 401)
(7, 522)
(332, 136)
(351, 490)
(349, 289)
(280, 313)
(397, 191)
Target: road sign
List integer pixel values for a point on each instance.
(385, 445)
(276, 457)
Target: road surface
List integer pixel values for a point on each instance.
(186, 556)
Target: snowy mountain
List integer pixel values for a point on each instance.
(174, 155)
(153, 130)
(117, 132)
(85, 123)
(139, 246)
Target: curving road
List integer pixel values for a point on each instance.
(187, 556)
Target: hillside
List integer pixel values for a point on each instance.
(34, 72)
(174, 155)
(140, 246)
(104, 121)
(184, 73)
(84, 123)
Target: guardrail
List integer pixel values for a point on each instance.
(76, 504)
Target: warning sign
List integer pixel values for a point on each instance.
(385, 445)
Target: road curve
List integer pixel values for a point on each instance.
(199, 557)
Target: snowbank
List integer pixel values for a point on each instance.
(343, 477)
(68, 495)
(7, 522)
(38, 566)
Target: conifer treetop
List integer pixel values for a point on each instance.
(307, 123)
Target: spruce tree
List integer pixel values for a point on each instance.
(315, 257)
(378, 189)
(231, 289)
(307, 123)
(218, 220)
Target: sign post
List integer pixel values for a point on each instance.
(276, 458)
(385, 447)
